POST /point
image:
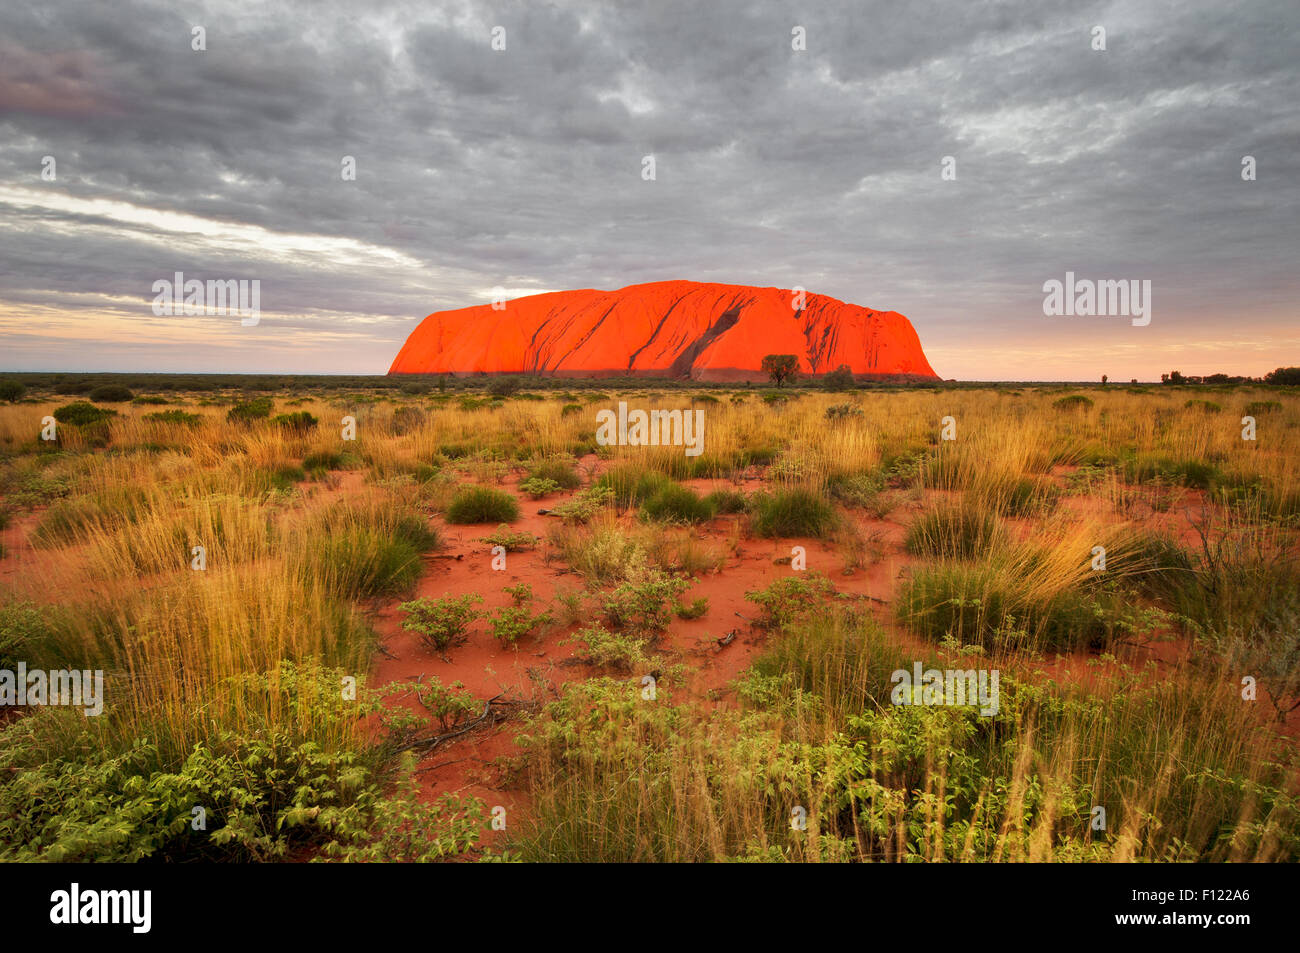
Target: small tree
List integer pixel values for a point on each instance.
(780, 367)
(11, 390)
(1104, 378)
(1283, 375)
(839, 379)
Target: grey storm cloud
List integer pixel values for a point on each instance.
(522, 168)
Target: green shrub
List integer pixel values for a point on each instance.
(82, 414)
(842, 412)
(503, 386)
(111, 394)
(620, 651)
(482, 504)
(791, 599)
(856, 489)
(406, 419)
(299, 422)
(1073, 402)
(644, 602)
(269, 791)
(557, 469)
(450, 704)
(840, 379)
(12, 390)
(441, 623)
(257, 409)
(1257, 407)
(511, 542)
(584, 505)
(282, 477)
(537, 487)
(178, 417)
(695, 610)
(1205, 406)
(512, 623)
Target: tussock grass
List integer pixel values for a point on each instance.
(792, 512)
(482, 504)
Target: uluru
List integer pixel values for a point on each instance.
(676, 329)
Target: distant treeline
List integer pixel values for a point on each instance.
(1287, 376)
(75, 384)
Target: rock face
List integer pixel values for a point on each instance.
(680, 329)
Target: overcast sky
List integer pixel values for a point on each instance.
(522, 169)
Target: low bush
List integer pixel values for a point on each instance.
(791, 599)
(178, 417)
(257, 409)
(82, 414)
(111, 394)
(299, 422)
(441, 623)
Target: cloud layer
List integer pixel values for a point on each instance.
(522, 168)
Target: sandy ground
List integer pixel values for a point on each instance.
(473, 764)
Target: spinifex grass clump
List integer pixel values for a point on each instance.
(674, 503)
(482, 504)
(792, 512)
(955, 531)
(1040, 595)
(368, 549)
(632, 485)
